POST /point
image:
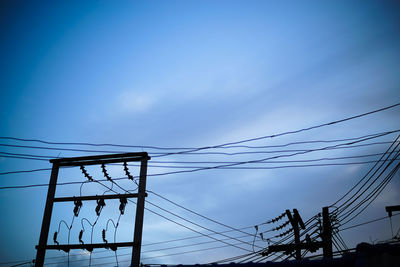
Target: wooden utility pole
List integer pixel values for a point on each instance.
(297, 223)
(326, 234)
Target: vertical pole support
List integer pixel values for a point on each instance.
(44, 233)
(137, 239)
(326, 234)
(296, 231)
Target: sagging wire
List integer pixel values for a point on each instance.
(80, 189)
(123, 202)
(69, 233)
(98, 212)
(103, 233)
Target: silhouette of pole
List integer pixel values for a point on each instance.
(326, 234)
(44, 232)
(135, 261)
(296, 232)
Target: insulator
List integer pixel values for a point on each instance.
(262, 236)
(256, 227)
(100, 205)
(80, 236)
(127, 171)
(77, 208)
(103, 234)
(122, 205)
(86, 174)
(103, 168)
(55, 238)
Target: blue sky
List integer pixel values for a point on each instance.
(190, 74)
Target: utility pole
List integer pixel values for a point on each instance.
(326, 234)
(141, 157)
(297, 223)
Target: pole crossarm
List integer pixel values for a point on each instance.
(94, 160)
(90, 247)
(390, 209)
(293, 247)
(85, 198)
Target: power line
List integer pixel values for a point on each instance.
(168, 173)
(368, 222)
(291, 132)
(25, 171)
(375, 195)
(375, 191)
(154, 243)
(263, 159)
(227, 168)
(209, 147)
(43, 185)
(231, 164)
(198, 214)
(364, 177)
(168, 219)
(182, 218)
(228, 162)
(154, 154)
(172, 148)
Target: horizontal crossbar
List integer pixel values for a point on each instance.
(292, 247)
(84, 198)
(90, 246)
(103, 159)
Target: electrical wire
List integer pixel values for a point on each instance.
(224, 144)
(374, 193)
(228, 162)
(198, 214)
(165, 242)
(180, 224)
(364, 177)
(292, 132)
(155, 155)
(223, 165)
(367, 222)
(374, 196)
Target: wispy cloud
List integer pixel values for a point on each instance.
(135, 101)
